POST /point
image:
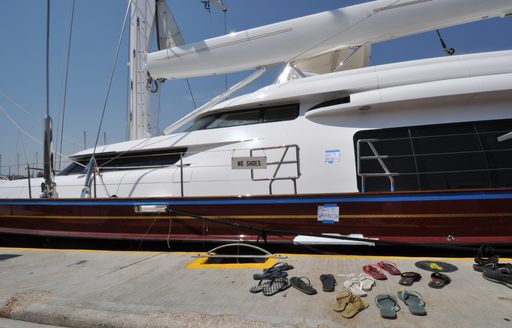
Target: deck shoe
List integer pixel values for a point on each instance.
(501, 274)
(485, 256)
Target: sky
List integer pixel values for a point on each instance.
(97, 29)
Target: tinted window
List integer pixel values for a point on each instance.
(236, 118)
(127, 161)
(246, 117)
(446, 156)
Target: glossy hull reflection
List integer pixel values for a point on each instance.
(453, 217)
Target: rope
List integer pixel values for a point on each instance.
(111, 77)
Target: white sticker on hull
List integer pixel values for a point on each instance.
(328, 213)
(331, 156)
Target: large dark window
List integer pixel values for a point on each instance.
(126, 161)
(246, 117)
(432, 157)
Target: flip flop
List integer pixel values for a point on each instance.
(354, 306)
(408, 278)
(328, 282)
(388, 305)
(279, 266)
(366, 282)
(342, 300)
(303, 284)
(275, 286)
(414, 302)
(258, 288)
(354, 285)
(269, 275)
(374, 271)
(389, 267)
(439, 280)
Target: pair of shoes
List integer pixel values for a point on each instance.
(328, 282)
(361, 285)
(499, 273)
(271, 287)
(439, 280)
(278, 270)
(376, 270)
(349, 304)
(408, 278)
(389, 306)
(485, 257)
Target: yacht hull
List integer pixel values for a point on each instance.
(466, 217)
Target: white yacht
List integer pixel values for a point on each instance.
(407, 151)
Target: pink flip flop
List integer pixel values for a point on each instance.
(374, 271)
(389, 267)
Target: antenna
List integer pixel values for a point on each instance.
(449, 51)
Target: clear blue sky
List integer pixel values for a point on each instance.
(96, 31)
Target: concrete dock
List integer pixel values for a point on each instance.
(151, 289)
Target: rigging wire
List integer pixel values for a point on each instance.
(66, 81)
(111, 77)
(191, 94)
(47, 58)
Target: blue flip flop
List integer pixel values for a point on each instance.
(414, 302)
(388, 305)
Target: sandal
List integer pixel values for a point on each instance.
(355, 305)
(439, 280)
(374, 271)
(342, 300)
(408, 278)
(354, 285)
(303, 284)
(389, 267)
(366, 282)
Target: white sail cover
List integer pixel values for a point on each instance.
(298, 39)
(169, 34)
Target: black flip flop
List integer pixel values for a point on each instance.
(269, 275)
(303, 284)
(275, 286)
(328, 282)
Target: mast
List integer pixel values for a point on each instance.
(48, 187)
(141, 26)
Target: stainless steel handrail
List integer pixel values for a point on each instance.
(279, 164)
(379, 158)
